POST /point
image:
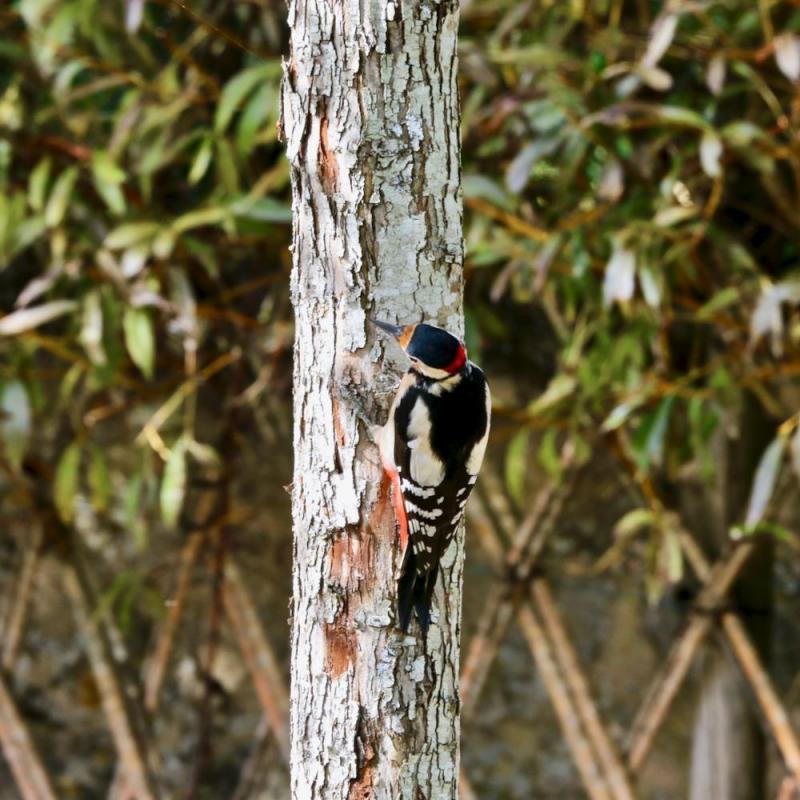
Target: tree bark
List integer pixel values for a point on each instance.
(371, 123)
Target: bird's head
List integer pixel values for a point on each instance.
(433, 351)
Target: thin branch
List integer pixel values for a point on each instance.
(593, 780)
(518, 563)
(666, 685)
(20, 753)
(579, 687)
(166, 636)
(129, 744)
(258, 655)
(248, 776)
(465, 790)
(758, 678)
(12, 635)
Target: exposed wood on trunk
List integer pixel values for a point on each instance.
(371, 122)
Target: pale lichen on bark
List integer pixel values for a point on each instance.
(371, 124)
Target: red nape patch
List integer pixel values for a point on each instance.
(458, 362)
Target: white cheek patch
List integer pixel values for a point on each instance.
(426, 468)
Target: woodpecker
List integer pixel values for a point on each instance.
(432, 447)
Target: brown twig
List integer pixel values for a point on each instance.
(20, 753)
(758, 678)
(579, 687)
(258, 655)
(788, 790)
(129, 743)
(593, 780)
(166, 636)
(518, 563)
(248, 776)
(465, 790)
(505, 595)
(666, 685)
(12, 634)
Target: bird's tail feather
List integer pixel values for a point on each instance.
(415, 592)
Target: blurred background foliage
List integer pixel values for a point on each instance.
(631, 178)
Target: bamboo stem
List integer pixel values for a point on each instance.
(20, 753)
(664, 688)
(579, 687)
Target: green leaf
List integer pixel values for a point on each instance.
(560, 387)
(173, 484)
(764, 481)
(130, 234)
(265, 209)
(236, 90)
(517, 465)
(37, 184)
(65, 486)
(201, 161)
(619, 414)
(634, 521)
(15, 421)
(60, 196)
(549, 455)
(140, 339)
(91, 335)
(722, 299)
(99, 479)
(649, 440)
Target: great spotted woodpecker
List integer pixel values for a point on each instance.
(432, 447)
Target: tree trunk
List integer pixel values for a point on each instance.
(371, 122)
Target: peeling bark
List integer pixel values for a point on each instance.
(371, 123)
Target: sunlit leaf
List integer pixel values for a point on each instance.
(764, 481)
(91, 335)
(630, 523)
(173, 484)
(787, 55)
(201, 161)
(15, 420)
(517, 465)
(236, 90)
(561, 386)
(130, 234)
(715, 76)
(37, 184)
(60, 196)
(649, 440)
(99, 479)
(65, 484)
(26, 319)
(710, 152)
(722, 299)
(140, 339)
(661, 36)
(618, 283)
(619, 415)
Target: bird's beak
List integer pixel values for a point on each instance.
(395, 330)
